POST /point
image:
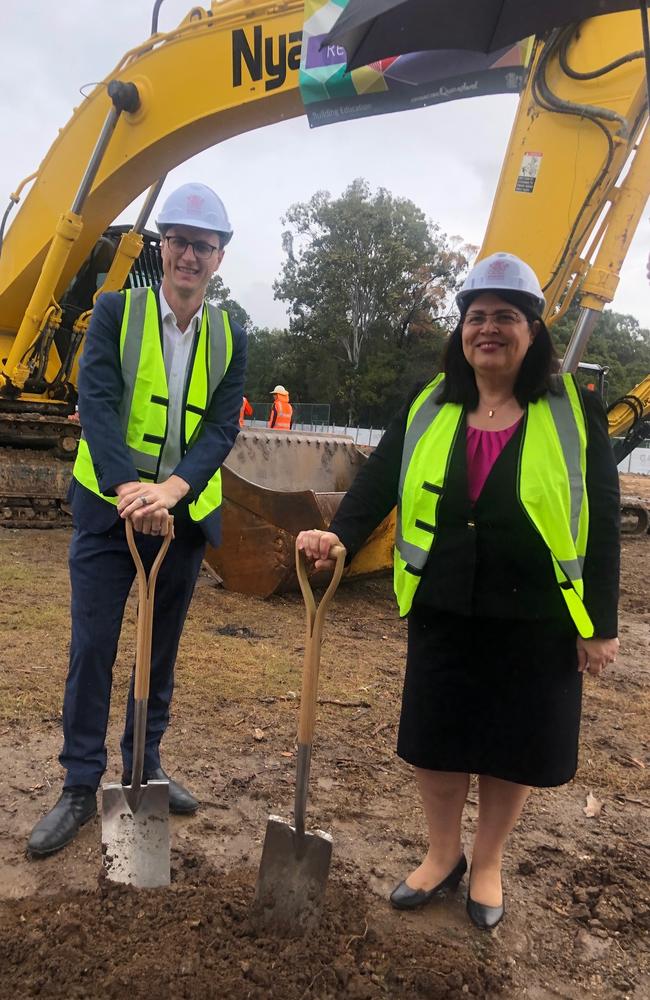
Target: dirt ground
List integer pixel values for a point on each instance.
(577, 886)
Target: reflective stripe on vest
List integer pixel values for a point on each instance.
(551, 487)
(143, 409)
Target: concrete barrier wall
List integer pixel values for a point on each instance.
(637, 461)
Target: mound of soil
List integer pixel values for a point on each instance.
(200, 939)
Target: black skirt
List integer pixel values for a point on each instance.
(491, 696)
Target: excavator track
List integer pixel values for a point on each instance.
(635, 515)
(33, 489)
(35, 469)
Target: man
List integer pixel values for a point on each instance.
(281, 410)
(160, 387)
(245, 411)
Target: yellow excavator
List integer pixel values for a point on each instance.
(574, 183)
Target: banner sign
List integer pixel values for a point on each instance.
(400, 83)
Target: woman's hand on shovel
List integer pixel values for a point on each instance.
(316, 545)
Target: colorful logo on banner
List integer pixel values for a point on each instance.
(397, 84)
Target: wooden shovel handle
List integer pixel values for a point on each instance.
(146, 591)
(313, 635)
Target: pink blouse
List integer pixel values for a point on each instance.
(483, 449)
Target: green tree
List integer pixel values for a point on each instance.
(368, 280)
(617, 342)
(218, 293)
(269, 361)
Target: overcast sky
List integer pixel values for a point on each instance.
(446, 159)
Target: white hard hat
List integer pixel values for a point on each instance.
(196, 205)
(502, 272)
(279, 390)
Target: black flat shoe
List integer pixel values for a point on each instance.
(181, 802)
(61, 825)
(405, 898)
(484, 917)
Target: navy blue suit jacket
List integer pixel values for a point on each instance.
(100, 394)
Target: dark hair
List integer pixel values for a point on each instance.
(535, 375)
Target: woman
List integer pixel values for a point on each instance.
(281, 415)
(506, 563)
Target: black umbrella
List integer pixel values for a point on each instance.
(371, 30)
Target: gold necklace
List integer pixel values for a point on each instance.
(492, 410)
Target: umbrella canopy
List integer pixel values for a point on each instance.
(371, 30)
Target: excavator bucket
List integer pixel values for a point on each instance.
(275, 484)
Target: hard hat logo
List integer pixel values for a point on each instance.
(502, 272)
(497, 270)
(196, 205)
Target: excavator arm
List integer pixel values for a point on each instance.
(629, 419)
(574, 183)
(244, 60)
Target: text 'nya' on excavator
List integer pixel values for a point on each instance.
(571, 217)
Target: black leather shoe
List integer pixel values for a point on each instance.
(405, 898)
(76, 806)
(181, 802)
(485, 917)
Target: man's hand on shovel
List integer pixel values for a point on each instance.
(147, 505)
(317, 545)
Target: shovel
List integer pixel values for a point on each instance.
(135, 817)
(295, 864)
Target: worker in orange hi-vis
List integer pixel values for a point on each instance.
(245, 411)
(281, 410)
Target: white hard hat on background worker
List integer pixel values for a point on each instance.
(502, 272)
(196, 205)
(279, 391)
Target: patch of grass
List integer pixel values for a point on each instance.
(21, 701)
(237, 669)
(35, 618)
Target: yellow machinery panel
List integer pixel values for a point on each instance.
(570, 142)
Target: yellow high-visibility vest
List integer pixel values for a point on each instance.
(551, 487)
(143, 411)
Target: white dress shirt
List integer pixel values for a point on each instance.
(177, 347)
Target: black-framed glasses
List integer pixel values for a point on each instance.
(201, 249)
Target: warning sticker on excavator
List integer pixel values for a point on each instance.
(528, 171)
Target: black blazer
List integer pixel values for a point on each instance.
(488, 560)
(100, 395)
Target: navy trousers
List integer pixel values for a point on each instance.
(101, 575)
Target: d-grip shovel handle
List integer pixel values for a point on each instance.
(146, 590)
(313, 636)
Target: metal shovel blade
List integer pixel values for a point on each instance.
(135, 834)
(292, 878)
